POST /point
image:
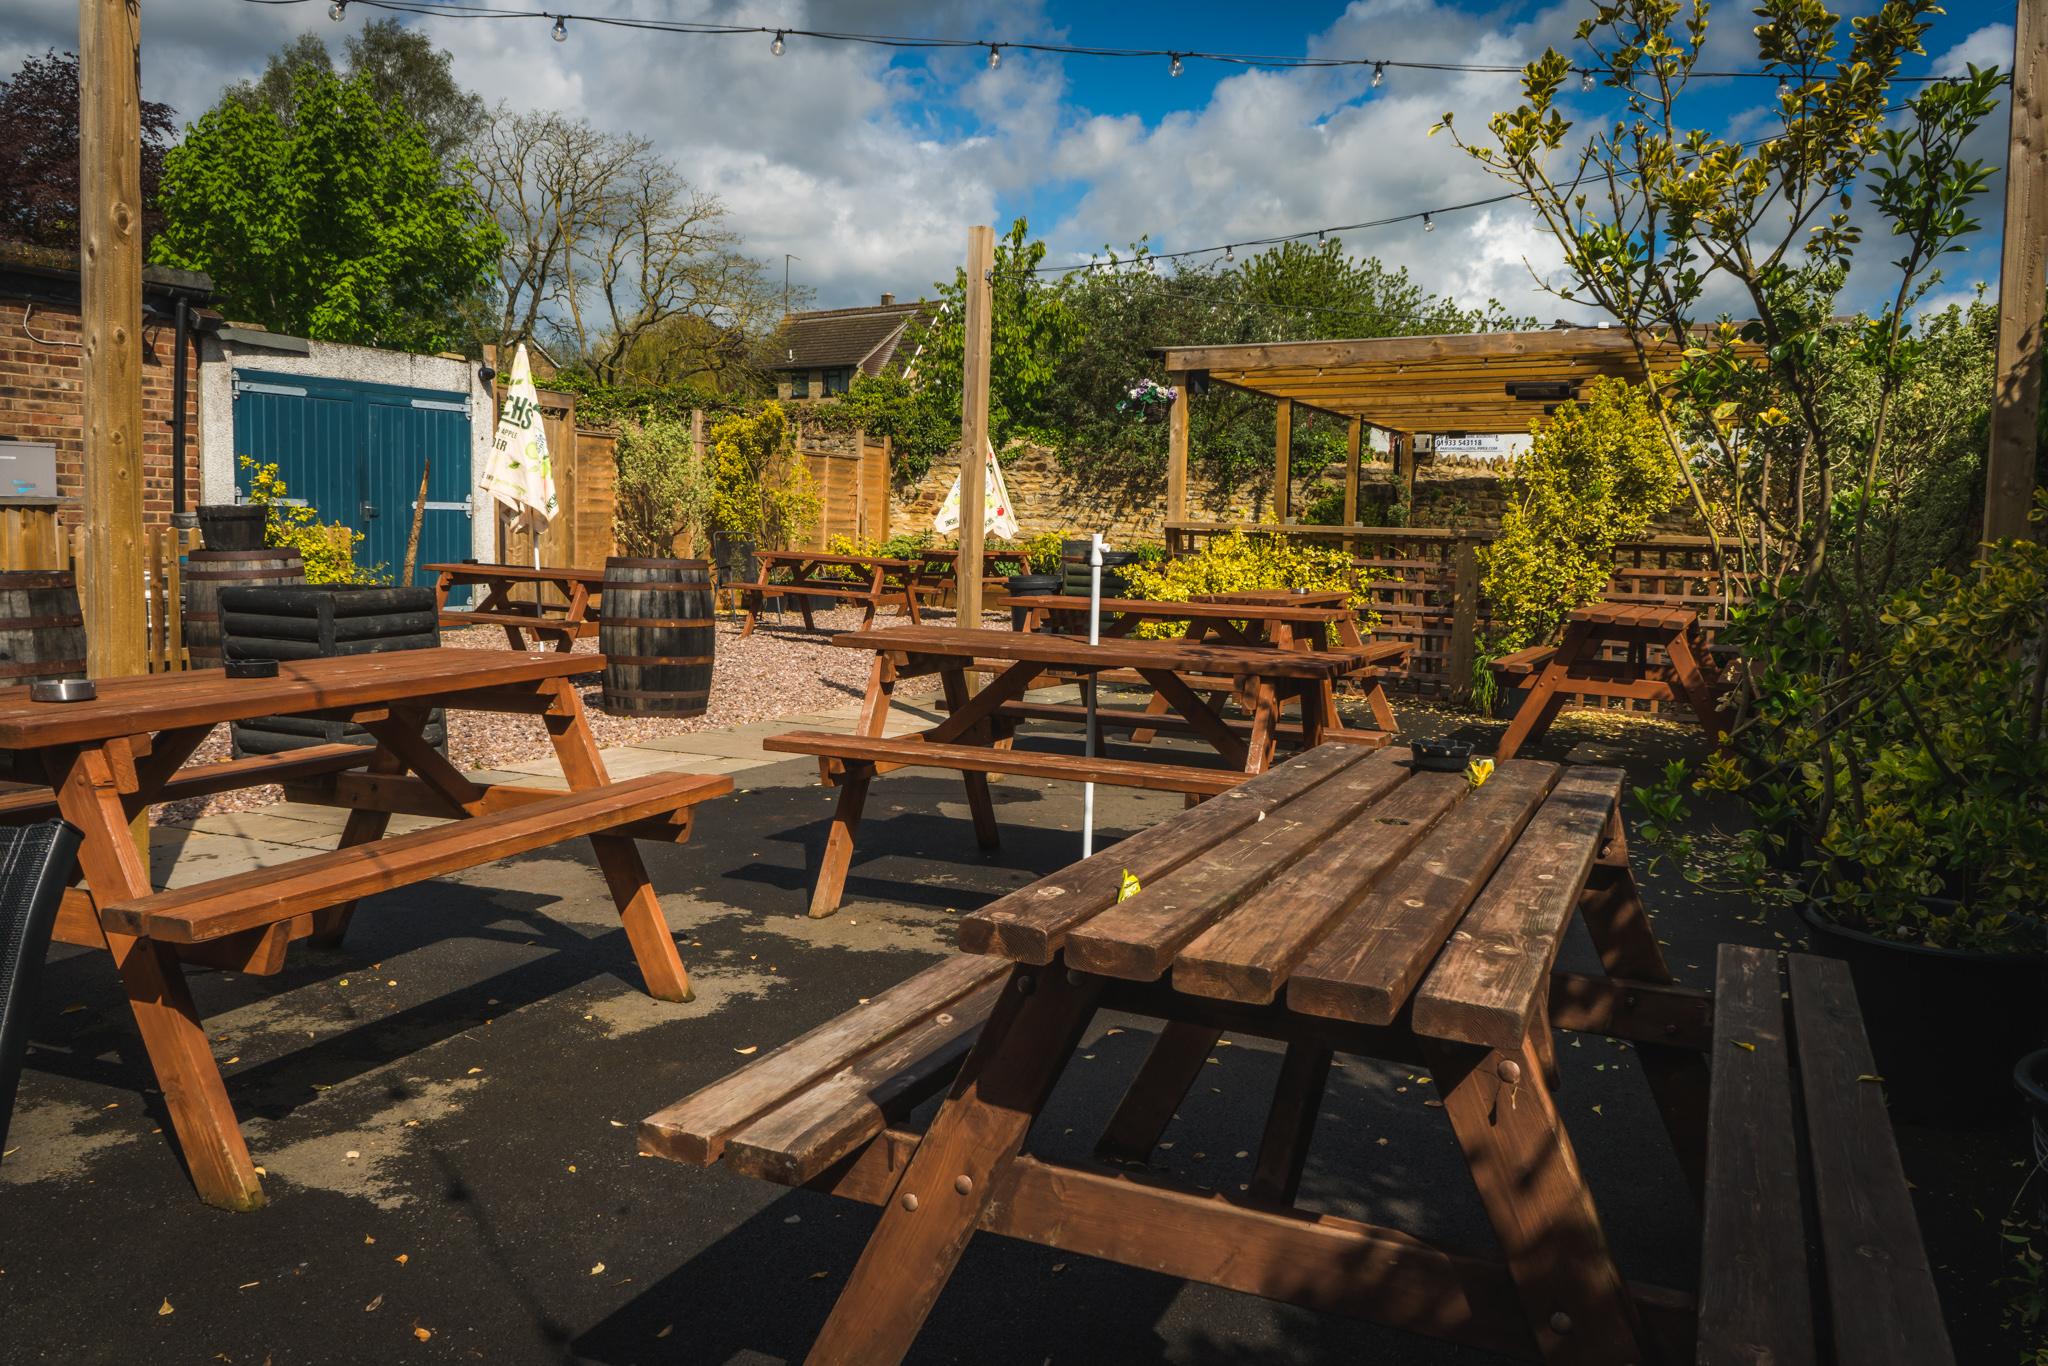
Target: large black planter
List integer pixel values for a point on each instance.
(1077, 572)
(320, 621)
(233, 526)
(1945, 1024)
(1029, 585)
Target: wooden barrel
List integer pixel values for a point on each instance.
(42, 631)
(657, 633)
(209, 571)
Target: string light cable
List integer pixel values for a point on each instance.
(1174, 58)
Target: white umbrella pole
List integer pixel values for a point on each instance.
(1094, 638)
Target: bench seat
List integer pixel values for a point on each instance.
(1523, 662)
(1809, 1242)
(271, 896)
(1132, 718)
(790, 1115)
(887, 753)
(817, 590)
(523, 620)
(27, 803)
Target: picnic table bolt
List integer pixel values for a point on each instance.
(1026, 984)
(910, 1202)
(1075, 977)
(1511, 1073)
(963, 1183)
(1560, 1322)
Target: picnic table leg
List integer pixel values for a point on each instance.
(1265, 720)
(172, 1035)
(954, 683)
(1318, 710)
(1204, 718)
(1541, 700)
(618, 858)
(1283, 1149)
(330, 926)
(1157, 705)
(853, 778)
(946, 1189)
(1578, 1307)
(1692, 681)
(1619, 926)
(750, 603)
(1382, 710)
(1178, 1055)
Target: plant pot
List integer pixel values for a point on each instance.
(732, 561)
(1029, 585)
(1507, 702)
(1945, 1024)
(322, 621)
(232, 526)
(2030, 1075)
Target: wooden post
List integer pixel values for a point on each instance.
(1353, 453)
(110, 246)
(1404, 470)
(1177, 451)
(974, 437)
(1464, 619)
(2022, 279)
(1283, 455)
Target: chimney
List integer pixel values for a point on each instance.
(888, 299)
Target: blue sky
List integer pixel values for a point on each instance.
(869, 164)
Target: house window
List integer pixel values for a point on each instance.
(800, 384)
(838, 379)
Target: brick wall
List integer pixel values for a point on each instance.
(40, 400)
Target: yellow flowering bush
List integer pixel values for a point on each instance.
(1240, 562)
(328, 548)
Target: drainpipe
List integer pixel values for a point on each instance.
(179, 349)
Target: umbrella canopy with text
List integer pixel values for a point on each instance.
(519, 474)
(997, 515)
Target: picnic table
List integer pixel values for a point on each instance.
(975, 738)
(1547, 674)
(1341, 904)
(564, 623)
(939, 567)
(876, 579)
(1344, 903)
(1279, 622)
(110, 758)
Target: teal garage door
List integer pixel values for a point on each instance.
(355, 451)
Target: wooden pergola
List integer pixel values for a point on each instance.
(1476, 382)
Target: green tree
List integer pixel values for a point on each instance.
(337, 224)
(401, 64)
(1030, 333)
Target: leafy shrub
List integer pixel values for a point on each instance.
(664, 488)
(1239, 562)
(328, 548)
(760, 491)
(1599, 474)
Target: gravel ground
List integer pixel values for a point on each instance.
(780, 670)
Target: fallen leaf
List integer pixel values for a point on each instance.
(1745, 1047)
(666, 1329)
(351, 1154)
(246, 1284)
(819, 1275)
(402, 1258)
(164, 1308)
(617, 1125)
(369, 1238)
(391, 984)
(236, 1058)
(1596, 1109)
(572, 1166)
(422, 1333)
(597, 1270)
(344, 981)
(374, 1305)
(73, 1009)
(749, 1050)
(474, 1070)
(1870, 1076)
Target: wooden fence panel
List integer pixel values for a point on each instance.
(32, 538)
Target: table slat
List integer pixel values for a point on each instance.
(1496, 966)
(1247, 955)
(1031, 924)
(1072, 652)
(1139, 938)
(1366, 966)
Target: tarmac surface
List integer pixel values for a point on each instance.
(444, 1112)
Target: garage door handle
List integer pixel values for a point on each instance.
(369, 512)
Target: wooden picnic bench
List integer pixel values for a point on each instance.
(112, 757)
(814, 574)
(1339, 904)
(1810, 1252)
(563, 623)
(1546, 675)
(976, 737)
(1278, 621)
(939, 568)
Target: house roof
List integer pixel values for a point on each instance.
(833, 337)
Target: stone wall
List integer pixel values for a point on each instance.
(41, 399)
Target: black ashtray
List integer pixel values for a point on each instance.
(251, 668)
(1442, 756)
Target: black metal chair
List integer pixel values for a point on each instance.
(36, 864)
